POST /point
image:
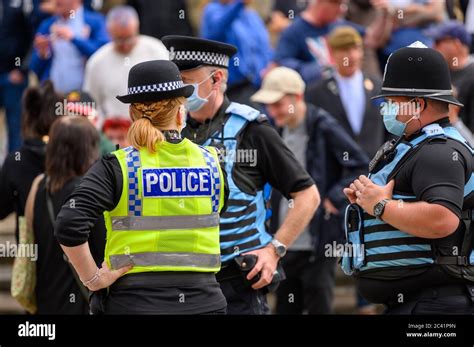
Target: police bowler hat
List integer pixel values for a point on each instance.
(153, 81)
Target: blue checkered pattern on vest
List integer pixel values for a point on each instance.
(133, 164)
(216, 181)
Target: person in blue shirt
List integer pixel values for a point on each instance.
(233, 22)
(43, 9)
(64, 42)
(302, 46)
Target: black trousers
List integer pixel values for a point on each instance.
(435, 304)
(242, 299)
(309, 284)
(157, 293)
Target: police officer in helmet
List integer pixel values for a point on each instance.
(161, 200)
(409, 222)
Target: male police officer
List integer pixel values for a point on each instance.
(416, 254)
(254, 156)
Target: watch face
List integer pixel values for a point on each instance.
(377, 209)
(281, 250)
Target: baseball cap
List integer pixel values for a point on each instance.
(277, 83)
(450, 29)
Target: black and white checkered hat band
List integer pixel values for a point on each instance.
(162, 87)
(205, 57)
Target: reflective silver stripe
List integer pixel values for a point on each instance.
(165, 222)
(197, 260)
(437, 91)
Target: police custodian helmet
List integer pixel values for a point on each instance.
(420, 71)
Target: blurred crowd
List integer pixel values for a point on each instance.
(72, 57)
(87, 48)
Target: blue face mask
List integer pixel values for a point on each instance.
(389, 112)
(195, 102)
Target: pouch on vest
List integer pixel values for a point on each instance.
(247, 262)
(462, 265)
(353, 257)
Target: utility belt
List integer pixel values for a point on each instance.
(240, 266)
(229, 270)
(98, 299)
(436, 293)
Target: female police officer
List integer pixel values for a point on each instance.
(161, 200)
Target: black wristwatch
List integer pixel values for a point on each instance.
(379, 208)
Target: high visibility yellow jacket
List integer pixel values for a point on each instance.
(167, 218)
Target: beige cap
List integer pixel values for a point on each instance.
(277, 83)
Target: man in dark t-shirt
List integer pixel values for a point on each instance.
(434, 178)
(414, 201)
(254, 156)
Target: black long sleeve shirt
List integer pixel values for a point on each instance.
(148, 293)
(99, 191)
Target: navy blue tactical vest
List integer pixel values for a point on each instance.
(373, 245)
(242, 226)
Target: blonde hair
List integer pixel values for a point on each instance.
(149, 119)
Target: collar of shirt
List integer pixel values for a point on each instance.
(356, 78)
(351, 90)
(172, 136)
(75, 20)
(200, 132)
(443, 122)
